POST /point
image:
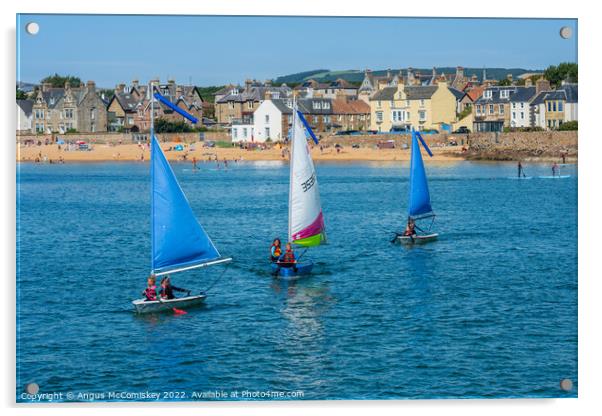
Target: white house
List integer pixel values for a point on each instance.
(242, 132)
(520, 106)
(24, 115)
(271, 119)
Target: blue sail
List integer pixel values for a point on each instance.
(178, 240)
(420, 199)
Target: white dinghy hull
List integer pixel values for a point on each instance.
(417, 239)
(156, 306)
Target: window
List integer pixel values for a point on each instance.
(267, 132)
(379, 116)
(490, 108)
(231, 103)
(554, 105)
(250, 105)
(40, 127)
(92, 113)
(501, 108)
(513, 106)
(422, 115)
(130, 120)
(267, 118)
(68, 113)
(487, 94)
(504, 93)
(93, 128)
(378, 103)
(522, 105)
(549, 106)
(560, 106)
(522, 115)
(421, 103)
(244, 132)
(513, 115)
(235, 133)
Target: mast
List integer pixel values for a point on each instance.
(152, 173)
(291, 158)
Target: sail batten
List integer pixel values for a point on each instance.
(306, 221)
(420, 199)
(178, 239)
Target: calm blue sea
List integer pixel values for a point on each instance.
(488, 311)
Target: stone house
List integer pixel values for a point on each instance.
(350, 114)
(58, 110)
(240, 104)
(492, 111)
(551, 109)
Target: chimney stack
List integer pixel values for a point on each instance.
(459, 72)
(120, 88)
(268, 83)
(91, 86)
(528, 82)
(542, 84)
(509, 77)
(46, 86)
(135, 83)
(248, 84)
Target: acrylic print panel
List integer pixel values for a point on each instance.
(476, 298)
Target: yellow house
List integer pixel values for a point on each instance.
(420, 107)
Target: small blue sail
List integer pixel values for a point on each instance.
(420, 199)
(178, 240)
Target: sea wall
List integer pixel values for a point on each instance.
(493, 146)
(124, 138)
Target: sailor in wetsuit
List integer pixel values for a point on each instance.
(167, 289)
(410, 230)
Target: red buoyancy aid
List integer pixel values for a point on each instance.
(289, 256)
(277, 251)
(151, 293)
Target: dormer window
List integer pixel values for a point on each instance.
(487, 94)
(504, 93)
(316, 105)
(326, 105)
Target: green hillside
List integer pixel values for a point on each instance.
(356, 76)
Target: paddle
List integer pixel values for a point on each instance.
(177, 311)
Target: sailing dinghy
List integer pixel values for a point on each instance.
(305, 219)
(420, 199)
(178, 240)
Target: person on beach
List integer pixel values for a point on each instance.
(167, 289)
(554, 169)
(150, 293)
(275, 250)
(410, 230)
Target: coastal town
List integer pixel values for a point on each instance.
(380, 109)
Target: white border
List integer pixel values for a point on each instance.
(589, 197)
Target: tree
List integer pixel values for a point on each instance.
(58, 81)
(566, 71)
(569, 125)
(165, 126)
(504, 82)
(21, 95)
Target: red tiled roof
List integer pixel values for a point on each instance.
(343, 106)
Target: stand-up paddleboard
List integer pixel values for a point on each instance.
(555, 177)
(520, 178)
(305, 219)
(420, 200)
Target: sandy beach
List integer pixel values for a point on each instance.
(54, 153)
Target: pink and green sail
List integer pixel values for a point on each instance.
(306, 221)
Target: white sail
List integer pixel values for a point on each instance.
(306, 222)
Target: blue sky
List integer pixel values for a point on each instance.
(216, 50)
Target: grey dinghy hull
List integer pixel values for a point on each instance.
(417, 239)
(155, 306)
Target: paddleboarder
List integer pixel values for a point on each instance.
(521, 171)
(554, 169)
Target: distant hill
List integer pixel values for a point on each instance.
(356, 76)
